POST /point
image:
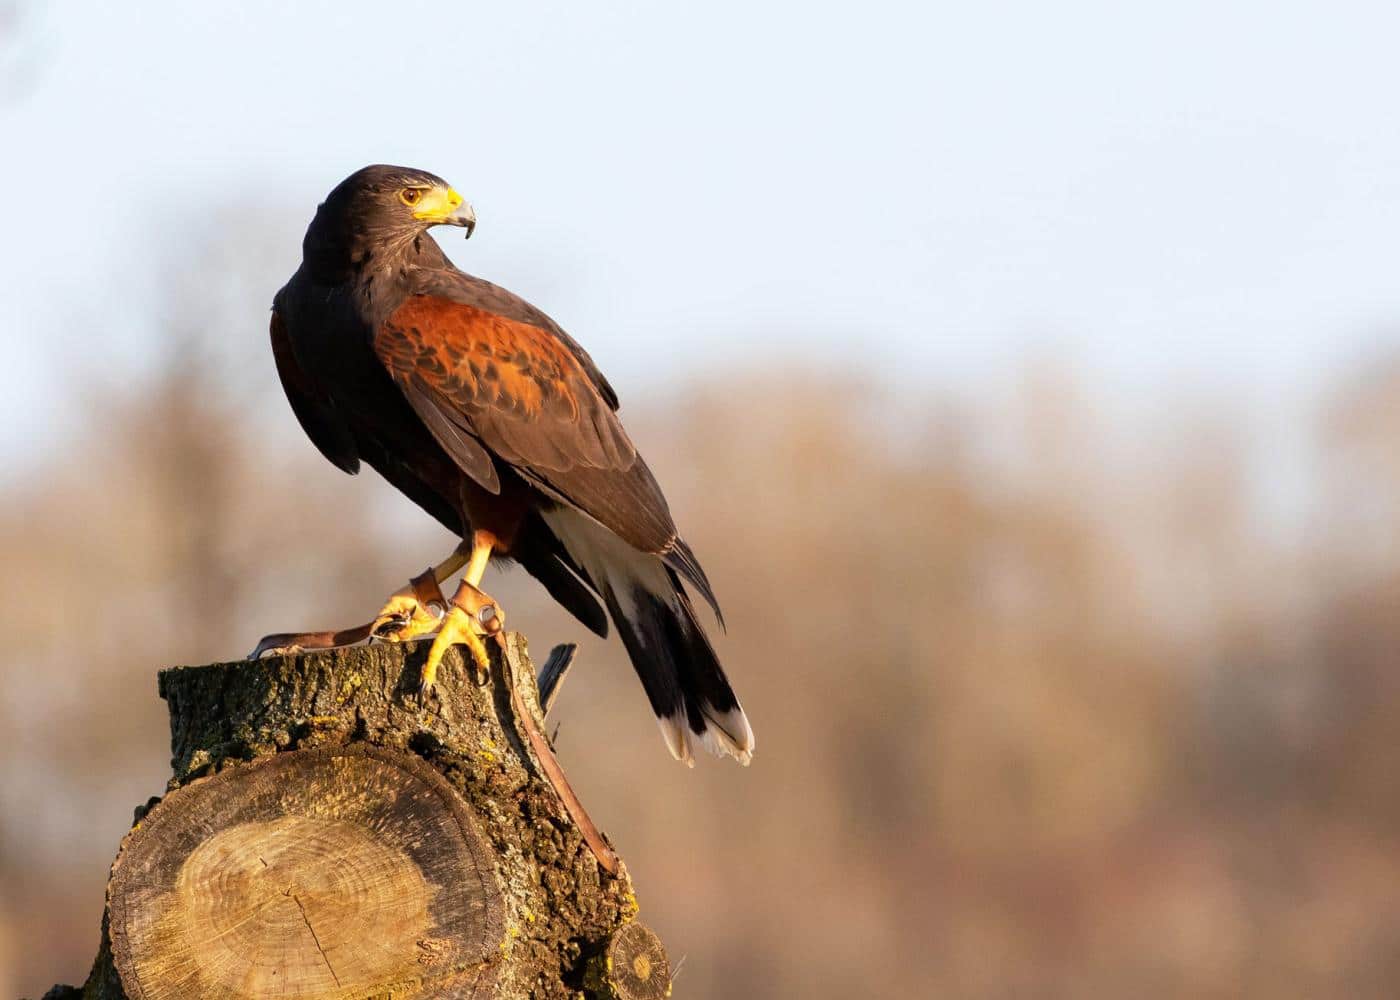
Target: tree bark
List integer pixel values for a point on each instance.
(325, 837)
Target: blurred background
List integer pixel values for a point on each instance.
(1027, 377)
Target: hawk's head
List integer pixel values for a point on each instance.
(385, 202)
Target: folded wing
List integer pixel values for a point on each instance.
(489, 385)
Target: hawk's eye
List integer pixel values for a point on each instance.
(410, 196)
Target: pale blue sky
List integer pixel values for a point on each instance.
(1198, 192)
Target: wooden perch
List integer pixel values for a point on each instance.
(324, 837)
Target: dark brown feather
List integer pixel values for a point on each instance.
(457, 441)
(314, 411)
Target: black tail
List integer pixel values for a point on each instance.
(678, 667)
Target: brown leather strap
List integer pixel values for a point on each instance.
(426, 590)
(311, 640)
(482, 608)
(553, 773)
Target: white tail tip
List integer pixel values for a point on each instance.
(726, 734)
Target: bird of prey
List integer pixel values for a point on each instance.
(480, 409)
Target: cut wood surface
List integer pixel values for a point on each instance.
(632, 967)
(318, 873)
(325, 837)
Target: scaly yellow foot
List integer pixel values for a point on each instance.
(407, 616)
(472, 615)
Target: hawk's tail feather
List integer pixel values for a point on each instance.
(669, 650)
(681, 673)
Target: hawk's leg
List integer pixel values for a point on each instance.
(472, 614)
(417, 609)
(413, 611)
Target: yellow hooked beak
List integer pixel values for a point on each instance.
(445, 207)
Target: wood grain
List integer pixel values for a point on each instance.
(633, 966)
(338, 872)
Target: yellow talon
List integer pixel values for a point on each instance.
(472, 614)
(403, 618)
(417, 609)
(457, 629)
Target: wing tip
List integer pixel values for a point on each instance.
(680, 557)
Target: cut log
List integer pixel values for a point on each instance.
(325, 837)
(316, 873)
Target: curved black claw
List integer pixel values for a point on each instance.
(277, 644)
(391, 626)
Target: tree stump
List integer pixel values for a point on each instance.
(325, 837)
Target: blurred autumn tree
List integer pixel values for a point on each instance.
(1042, 708)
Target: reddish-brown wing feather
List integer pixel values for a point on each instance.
(449, 283)
(511, 384)
(486, 384)
(478, 379)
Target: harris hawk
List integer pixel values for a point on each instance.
(483, 411)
